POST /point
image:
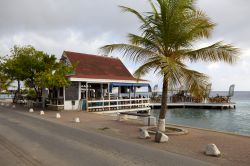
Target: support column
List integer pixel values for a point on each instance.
(102, 96)
(130, 88)
(79, 91)
(109, 95)
(87, 96)
(80, 102)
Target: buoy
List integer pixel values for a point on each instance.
(58, 116)
(31, 110)
(77, 120)
(41, 112)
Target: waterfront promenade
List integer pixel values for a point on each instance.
(29, 141)
(235, 149)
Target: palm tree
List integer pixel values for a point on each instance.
(166, 44)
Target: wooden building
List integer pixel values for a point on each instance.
(100, 83)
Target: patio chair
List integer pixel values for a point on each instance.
(223, 99)
(230, 93)
(207, 92)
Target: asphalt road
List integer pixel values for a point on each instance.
(26, 140)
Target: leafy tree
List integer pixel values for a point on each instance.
(5, 81)
(37, 69)
(167, 42)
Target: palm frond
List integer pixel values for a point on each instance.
(133, 11)
(214, 53)
(195, 82)
(145, 43)
(136, 53)
(146, 67)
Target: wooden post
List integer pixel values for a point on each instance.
(79, 97)
(119, 93)
(109, 95)
(87, 96)
(101, 87)
(134, 91)
(130, 88)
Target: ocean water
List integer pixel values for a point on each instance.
(233, 120)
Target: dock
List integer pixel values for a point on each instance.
(196, 105)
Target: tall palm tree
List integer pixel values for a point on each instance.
(166, 44)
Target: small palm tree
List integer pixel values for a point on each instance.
(166, 44)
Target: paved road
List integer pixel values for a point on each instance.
(26, 140)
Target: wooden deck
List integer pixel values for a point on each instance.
(124, 110)
(197, 105)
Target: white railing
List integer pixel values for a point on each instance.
(117, 104)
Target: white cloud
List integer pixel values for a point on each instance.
(213, 66)
(52, 44)
(85, 25)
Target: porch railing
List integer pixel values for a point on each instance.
(117, 104)
(57, 101)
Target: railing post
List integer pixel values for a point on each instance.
(142, 101)
(117, 103)
(109, 96)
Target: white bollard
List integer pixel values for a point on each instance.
(149, 121)
(31, 110)
(2, 104)
(58, 116)
(41, 112)
(77, 120)
(144, 134)
(7, 104)
(212, 150)
(13, 106)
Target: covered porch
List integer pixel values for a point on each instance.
(114, 96)
(101, 96)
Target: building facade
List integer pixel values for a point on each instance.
(98, 84)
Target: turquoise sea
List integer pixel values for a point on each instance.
(234, 120)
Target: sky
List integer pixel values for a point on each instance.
(85, 25)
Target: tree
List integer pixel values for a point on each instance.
(35, 68)
(167, 42)
(5, 81)
(54, 76)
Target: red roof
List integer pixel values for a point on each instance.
(98, 67)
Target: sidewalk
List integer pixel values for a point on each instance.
(235, 148)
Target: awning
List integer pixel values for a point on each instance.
(116, 84)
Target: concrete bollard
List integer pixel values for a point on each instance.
(77, 120)
(212, 150)
(58, 116)
(13, 106)
(7, 104)
(149, 121)
(122, 117)
(144, 134)
(161, 137)
(31, 110)
(41, 112)
(2, 104)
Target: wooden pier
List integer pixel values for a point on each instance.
(196, 105)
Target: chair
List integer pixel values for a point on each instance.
(230, 93)
(223, 99)
(207, 91)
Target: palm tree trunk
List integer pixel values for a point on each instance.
(161, 122)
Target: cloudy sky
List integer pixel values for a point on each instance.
(85, 25)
